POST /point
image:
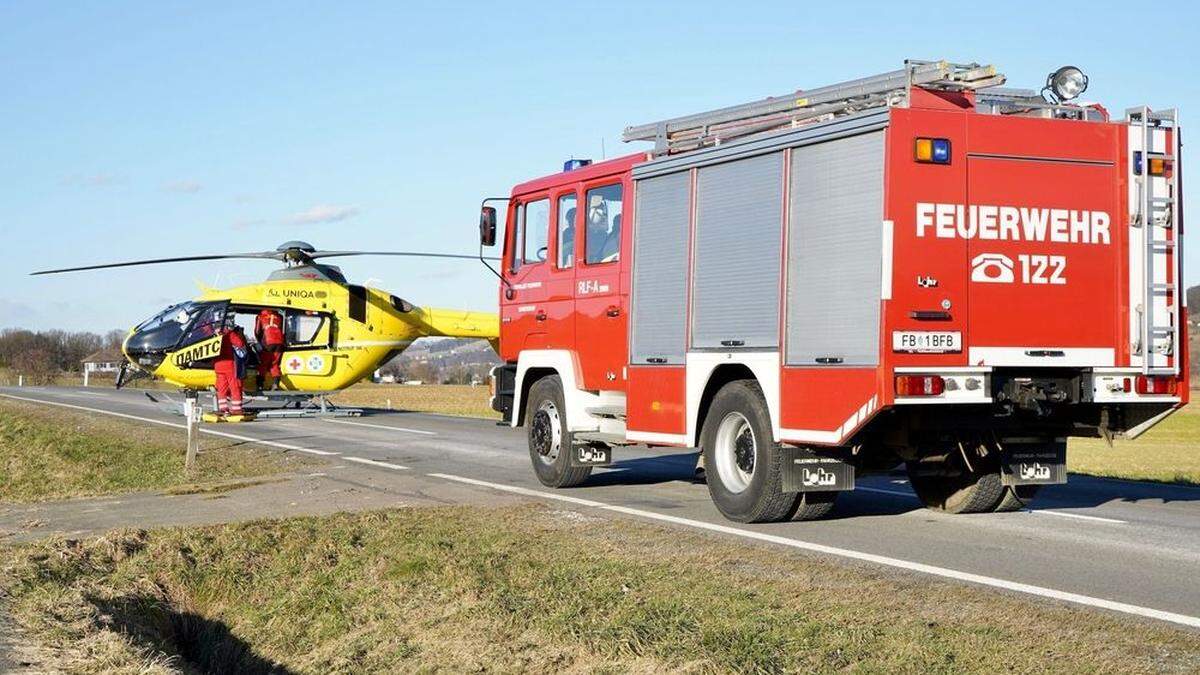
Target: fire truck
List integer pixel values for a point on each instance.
(921, 267)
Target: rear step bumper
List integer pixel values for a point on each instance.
(984, 385)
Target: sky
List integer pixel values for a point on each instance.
(155, 129)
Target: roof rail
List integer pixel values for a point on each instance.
(714, 127)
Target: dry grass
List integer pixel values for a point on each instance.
(447, 399)
(527, 589)
(1169, 452)
(49, 453)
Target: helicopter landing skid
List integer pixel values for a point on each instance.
(307, 406)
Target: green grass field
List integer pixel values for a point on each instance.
(447, 399)
(50, 453)
(465, 589)
(1169, 452)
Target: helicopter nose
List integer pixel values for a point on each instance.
(146, 348)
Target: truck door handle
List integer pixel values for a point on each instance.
(540, 316)
(613, 310)
(733, 343)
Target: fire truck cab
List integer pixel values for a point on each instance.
(918, 267)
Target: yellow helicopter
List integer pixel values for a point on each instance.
(335, 333)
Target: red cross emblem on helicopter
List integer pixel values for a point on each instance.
(295, 364)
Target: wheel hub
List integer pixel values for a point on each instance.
(545, 432)
(734, 451)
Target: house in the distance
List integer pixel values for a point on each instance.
(107, 360)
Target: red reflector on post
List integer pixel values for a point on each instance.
(1155, 385)
(920, 385)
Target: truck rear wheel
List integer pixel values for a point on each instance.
(1016, 497)
(743, 462)
(814, 505)
(967, 491)
(549, 441)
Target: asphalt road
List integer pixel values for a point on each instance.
(1126, 546)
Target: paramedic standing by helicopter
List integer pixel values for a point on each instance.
(268, 331)
(229, 367)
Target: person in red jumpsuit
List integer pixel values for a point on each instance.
(229, 366)
(268, 331)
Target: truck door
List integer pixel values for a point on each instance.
(538, 315)
(600, 306)
(1043, 225)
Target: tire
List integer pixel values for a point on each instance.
(549, 441)
(743, 463)
(1017, 497)
(968, 492)
(814, 505)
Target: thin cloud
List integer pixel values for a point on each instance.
(190, 187)
(90, 180)
(322, 213)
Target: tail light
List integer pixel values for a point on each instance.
(1148, 384)
(920, 385)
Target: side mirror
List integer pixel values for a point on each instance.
(487, 226)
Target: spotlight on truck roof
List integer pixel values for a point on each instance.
(1066, 83)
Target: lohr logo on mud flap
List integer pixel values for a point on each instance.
(592, 455)
(1011, 223)
(817, 478)
(1035, 471)
(807, 471)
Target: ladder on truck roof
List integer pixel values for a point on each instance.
(714, 127)
(1156, 214)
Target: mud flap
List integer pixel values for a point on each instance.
(1039, 463)
(807, 471)
(591, 455)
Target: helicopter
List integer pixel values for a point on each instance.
(335, 333)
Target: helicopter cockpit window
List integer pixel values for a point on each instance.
(207, 322)
(303, 330)
(401, 305)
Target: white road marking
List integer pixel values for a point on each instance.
(150, 420)
(968, 577)
(886, 492)
(1064, 514)
(375, 462)
(383, 426)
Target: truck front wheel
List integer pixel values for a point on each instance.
(549, 441)
(742, 461)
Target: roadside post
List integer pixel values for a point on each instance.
(192, 411)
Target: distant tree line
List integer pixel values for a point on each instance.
(41, 355)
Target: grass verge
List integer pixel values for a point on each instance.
(1170, 452)
(461, 400)
(526, 588)
(50, 453)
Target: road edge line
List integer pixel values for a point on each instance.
(898, 563)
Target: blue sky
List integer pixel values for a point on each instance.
(166, 128)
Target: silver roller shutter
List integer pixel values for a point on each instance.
(834, 241)
(738, 228)
(660, 261)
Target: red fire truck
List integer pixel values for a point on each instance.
(920, 266)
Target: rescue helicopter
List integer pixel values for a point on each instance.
(335, 333)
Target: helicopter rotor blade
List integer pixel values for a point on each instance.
(414, 254)
(265, 255)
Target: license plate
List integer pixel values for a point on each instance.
(926, 341)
